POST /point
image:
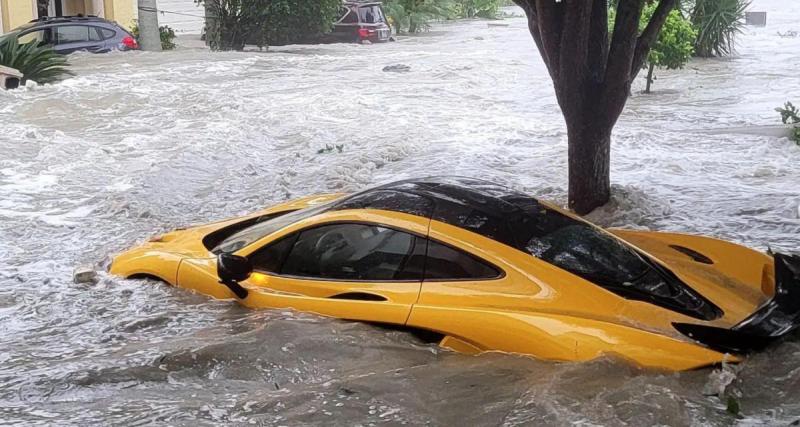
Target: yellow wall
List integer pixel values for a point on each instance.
(124, 12)
(16, 13)
(74, 7)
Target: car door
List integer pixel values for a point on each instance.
(72, 37)
(460, 294)
(357, 271)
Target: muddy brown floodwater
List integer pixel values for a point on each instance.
(139, 143)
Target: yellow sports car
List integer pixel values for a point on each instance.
(485, 268)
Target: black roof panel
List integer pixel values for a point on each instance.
(486, 208)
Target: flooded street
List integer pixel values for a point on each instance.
(140, 143)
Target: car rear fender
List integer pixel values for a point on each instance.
(557, 337)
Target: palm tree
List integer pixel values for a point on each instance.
(37, 63)
(717, 23)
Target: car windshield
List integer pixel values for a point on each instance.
(371, 14)
(257, 231)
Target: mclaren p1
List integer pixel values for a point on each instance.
(486, 268)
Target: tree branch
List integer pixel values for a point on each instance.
(598, 41)
(549, 21)
(620, 57)
(623, 41)
(650, 34)
(573, 55)
(574, 45)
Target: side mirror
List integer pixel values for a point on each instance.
(231, 270)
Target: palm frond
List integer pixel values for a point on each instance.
(718, 22)
(36, 63)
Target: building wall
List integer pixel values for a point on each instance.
(124, 12)
(74, 7)
(14, 13)
(17, 12)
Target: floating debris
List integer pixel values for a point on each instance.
(397, 68)
(84, 274)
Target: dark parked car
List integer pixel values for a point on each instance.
(68, 34)
(360, 21)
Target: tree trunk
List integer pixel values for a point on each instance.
(212, 23)
(649, 77)
(589, 148)
(592, 68)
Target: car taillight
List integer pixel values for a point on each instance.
(130, 42)
(363, 33)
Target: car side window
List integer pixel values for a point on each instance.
(270, 258)
(350, 18)
(107, 33)
(95, 35)
(353, 252)
(341, 13)
(74, 34)
(38, 36)
(446, 263)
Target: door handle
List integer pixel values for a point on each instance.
(359, 296)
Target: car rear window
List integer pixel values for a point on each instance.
(371, 14)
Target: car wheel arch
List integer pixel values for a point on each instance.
(147, 276)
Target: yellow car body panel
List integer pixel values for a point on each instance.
(563, 338)
(161, 255)
(533, 308)
(740, 278)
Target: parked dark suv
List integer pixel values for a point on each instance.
(360, 21)
(68, 34)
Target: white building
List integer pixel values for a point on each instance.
(183, 16)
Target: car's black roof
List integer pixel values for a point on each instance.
(484, 207)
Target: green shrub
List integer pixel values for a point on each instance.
(717, 23)
(478, 8)
(415, 15)
(675, 43)
(166, 33)
(234, 23)
(674, 46)
(36, 63)
(790, 115)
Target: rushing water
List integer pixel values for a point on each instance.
(138, 143)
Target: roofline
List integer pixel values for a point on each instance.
(67, 18)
